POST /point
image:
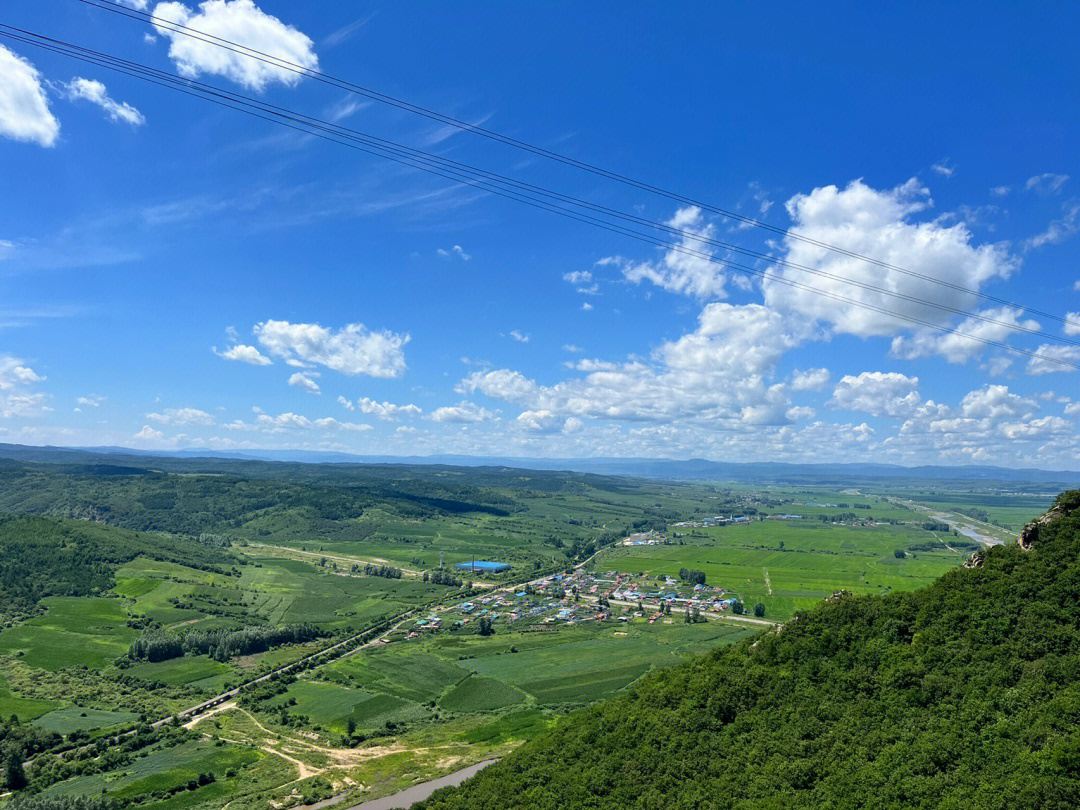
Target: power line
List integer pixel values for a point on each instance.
(430, 158)
(284, 64)
(360, 142)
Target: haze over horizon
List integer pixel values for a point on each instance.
(177, 275)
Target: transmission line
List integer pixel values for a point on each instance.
(458, 173)
(284, 64)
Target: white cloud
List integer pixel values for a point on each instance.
(713, 373)
(1000, 191)
(182, 416)
(305, 381)
(877, 224)
(959, 348)
(331, 423)
(242, 22)
(538, 420)
(148, 434)
(1046, 361)
(1072, 409)
(351, 350)
(16, 397)
(461, 413)
(1072, 328)
(1046, 184)
(1058, 230)
(345, 403)
(24, 107)
(517, 335)
(811, 380)
(138, 5)
(877, 393)
(570, 347)
(578, 277)
(386, 410)
(95, 92)
(92, 401)
(943, 168)
(454, 251)
(994, 402)
(244, 354)
(681, 272)
(587, 307)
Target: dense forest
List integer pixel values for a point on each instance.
(965, 694)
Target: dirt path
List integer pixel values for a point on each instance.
(768, 582)
(224, 707)
(346, 559)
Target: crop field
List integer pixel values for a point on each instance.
(73, 632)
(814, 560)
(471, 675)
(198, 671)
(68, 719)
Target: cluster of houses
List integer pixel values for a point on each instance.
(578, 597)
(716, 520)
(651, 538)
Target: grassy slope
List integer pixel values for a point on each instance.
(964, 694)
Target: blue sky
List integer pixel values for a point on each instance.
(173, 274)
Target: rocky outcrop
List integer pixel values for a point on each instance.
(1065, 505)
(976, 560)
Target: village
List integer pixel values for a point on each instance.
(578, 596)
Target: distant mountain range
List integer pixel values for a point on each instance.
(695, 468)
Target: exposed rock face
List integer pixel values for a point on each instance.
(1030, 535)
(976, 560)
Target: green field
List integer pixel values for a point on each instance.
(66, 720)
(89, 632)
(816, 560)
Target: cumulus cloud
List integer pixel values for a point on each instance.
(244, 354)
(24, 107)
(463, 412)
(681, 272)
(181, 416)
(80, 89)
(879, 225)
(16, 395)
(148, 434)
(351, 350)
(1072, 327)
(959, 348)
(1050, 359)
(92, 401)
(715, 372)
(519, 336)
(386, 410)
(1000, 191)
(877, 393)
(242, 22)
(811, 380)
(291, 422)
(305, 381)
(345, 403)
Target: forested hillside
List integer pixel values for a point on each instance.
(964, 694)
(42, 557)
